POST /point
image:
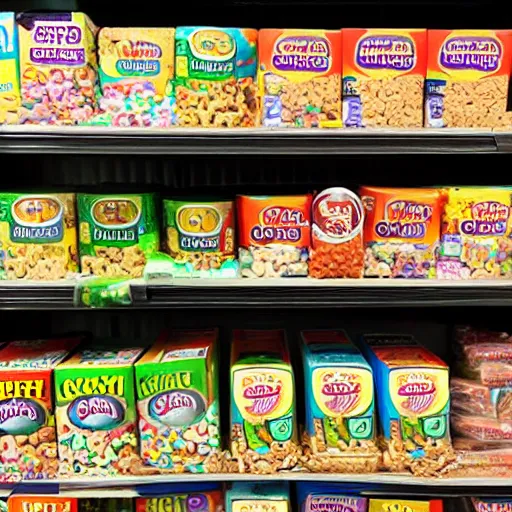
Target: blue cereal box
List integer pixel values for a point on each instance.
(340, 420)
(9, 69)
(313, 497)
(244, 497)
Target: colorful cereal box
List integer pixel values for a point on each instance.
(492, 504)
(413, 398)
(177, 401)
(401, 231)
(9, 69)
(399, 505)
(96, 412)
(37, 236)
(383, 76)
(136, 69)
(467, 78)
(313, 497)
(337, 235)
(216, 77)
(263, 415)
(247, 497)
(200, 237)
(41, 503)
(27, 424)
(117, 233)
(340, 419)
(475, 234)
(58, 68)
(300, 77)
(274, 235)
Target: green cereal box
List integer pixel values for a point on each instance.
(37, 236)
(177, 402)
(9, 69)
(96, 413)
(117, 233)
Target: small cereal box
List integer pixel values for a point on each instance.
(27, 424)
(274, 235)
(263, 414)
(136, 69)
(250, 497)
(117, 233)
(475, 234)
(9, 69)
(413, 397)
(216, 77)
(300, 77)
(313, 497)
(59, 82)
(383, 76)
(337, 235)
(340, 419)
(401, 231)
(41, 503)
(177, 401)
(96, 413)
(398, 505)
(37, 236)
(200, 237)
(467, 79)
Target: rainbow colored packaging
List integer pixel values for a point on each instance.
(340, 418)
(399, 505)
(263, 414)
(58, 68)
(314, 497)
(95, 411)
(177, 401)
(41, 503)
(9, 69)
(248, 497)
(27, 423)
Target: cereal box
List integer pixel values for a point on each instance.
(216, 77)
(401, 231)
(399, 505)
(27, 424)
(263, 414)
(300, 77)
(340, 419)
(9, 69)
(41, 503)
(177, 401)
(383, 76)
(475, 234)
(315, 497)
(117, 233)
(251, 497)
(467, 79)
(58, 68)
(413, 398)
(337, 235)
(274, 235)
(136, 69)
(200, 237)
(492, 504)
(96, 413)
(389, 340)
(37, 236)
(105, 505)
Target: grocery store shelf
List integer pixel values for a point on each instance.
(261, 141)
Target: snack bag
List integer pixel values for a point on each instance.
(263, 415)
(9, 69)
(399, 505)
(337, 235)
(200, 237)
(313, 497)
(467, 79)
(117, 233)
(27, 423)
(274, 235)
(96, 413)
(383, 76)
(480, 428)
(59, 82)
(251, 497)
(41, 503)
(177, 401)
(300, 78)
(37, 236)
(340, 419)
(401, 231)
(475, 234)
(216, 77)
(136, 69)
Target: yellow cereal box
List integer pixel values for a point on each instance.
(397, 505)
(9, 73)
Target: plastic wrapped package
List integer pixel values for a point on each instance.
(481, 428)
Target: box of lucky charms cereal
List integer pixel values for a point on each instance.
(244, 497)
(95, 411)
(215, 82)
(41, 503)
(340, 418)
(9, 69)
(27, 423)
(136, 69)
(263, 412)
(58, 67)
(177, 402)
